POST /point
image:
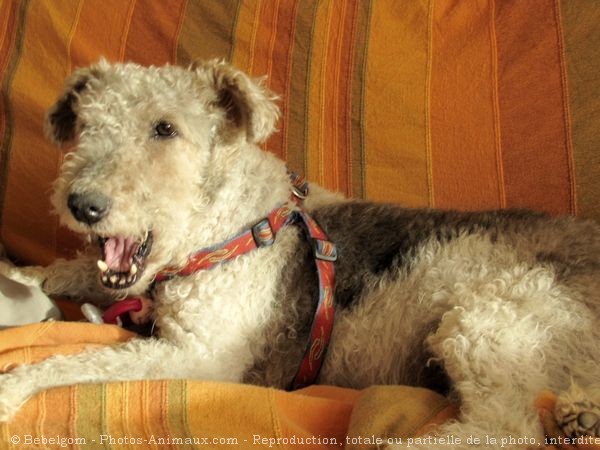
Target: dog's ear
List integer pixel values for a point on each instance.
(61, 119)
(249, 107)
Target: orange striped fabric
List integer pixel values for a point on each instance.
(463, 107)
(531, 66)
(193, 414)
(580, 55)
(396, 104)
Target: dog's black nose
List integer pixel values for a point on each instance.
(89, 207)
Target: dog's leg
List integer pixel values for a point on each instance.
(135, 360)
(577, 411)
(29, 276)
(77, 278)
(495, 360)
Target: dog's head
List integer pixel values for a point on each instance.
(147, 152)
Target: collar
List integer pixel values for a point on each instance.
(263, 234)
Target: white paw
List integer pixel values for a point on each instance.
(7, 411)
(30, 276)
(577, 414)
(13, 393)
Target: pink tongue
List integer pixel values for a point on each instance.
(118, 252)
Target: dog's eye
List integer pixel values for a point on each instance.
(164, 129)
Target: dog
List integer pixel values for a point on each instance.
(163, 163)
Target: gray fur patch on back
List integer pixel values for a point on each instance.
(375, 239)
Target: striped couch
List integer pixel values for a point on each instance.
(444, 103)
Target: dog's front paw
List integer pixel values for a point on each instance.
(30, 276)
(577, 414)
(7, 410)
(13, 394)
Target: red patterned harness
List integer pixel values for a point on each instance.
(263, 234)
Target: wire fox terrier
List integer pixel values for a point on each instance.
(489, 308)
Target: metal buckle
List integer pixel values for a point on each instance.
(263, 234)
(324, 250)
(300, 192)
(299, 186)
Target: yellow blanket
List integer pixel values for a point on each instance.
(165, 414)
(196, 414)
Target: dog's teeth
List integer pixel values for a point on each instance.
(122, 281)
(105, 279)
(102, 265)
(113, 279)
(133, 269)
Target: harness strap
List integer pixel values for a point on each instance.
(325, 254)
(263, 234)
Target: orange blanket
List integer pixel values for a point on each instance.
(191, 414)
(149, 414)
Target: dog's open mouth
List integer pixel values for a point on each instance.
(123, 259)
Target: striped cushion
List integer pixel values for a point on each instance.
(479, 104)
